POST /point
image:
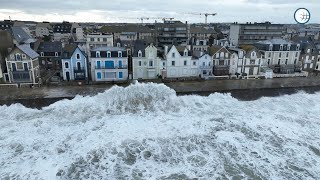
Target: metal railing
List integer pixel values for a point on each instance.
(114, 67)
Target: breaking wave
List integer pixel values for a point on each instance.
(145, 131)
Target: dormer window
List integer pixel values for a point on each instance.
(98, 54)
(56, 54)
(185, 53)
(18, 57)
(41, 54)
(270, 47)
(78, 56)
(298, 47)
(119, 54)
(139, 53)
(118, 44)
(253, 54)
(108, 54)
(289, 46)
(281, 47)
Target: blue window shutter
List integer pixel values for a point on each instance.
(98, 75)
(120, 75)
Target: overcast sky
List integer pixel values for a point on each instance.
(275, 11)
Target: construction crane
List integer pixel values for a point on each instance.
(205, 15)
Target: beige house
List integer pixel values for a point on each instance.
(22, 65)
(43, 29)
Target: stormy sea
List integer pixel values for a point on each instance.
(146, 131)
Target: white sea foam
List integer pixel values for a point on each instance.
(145, 131)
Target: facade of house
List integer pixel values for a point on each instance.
(220, 60)
(237, 61)
(95, 40)
(109, 64)
(180, 63)
(146, 63)
(204, 63)
(62, 31)
(74, 63)
(6, 25)
(251, 61)
(280, 55)
(22, 65)
(50, 55)
(250, 33)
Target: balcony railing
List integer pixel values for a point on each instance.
(79, 70)
(114, 67)
(206, 67)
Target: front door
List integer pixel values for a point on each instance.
(68, 76)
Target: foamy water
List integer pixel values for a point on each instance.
(145, 131)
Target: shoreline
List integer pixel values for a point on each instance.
(239, 94)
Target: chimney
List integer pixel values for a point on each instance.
(165, 50)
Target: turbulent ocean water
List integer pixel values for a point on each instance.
(145, 131)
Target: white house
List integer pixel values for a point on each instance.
(179, 62)
(109, 64)
(204, 63)
(145, 62)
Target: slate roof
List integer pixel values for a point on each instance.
(28, 51)
(50, 47)
(274, 41)
(139, 45)
(21, 36)
(214, 49)
(68, 50)
(197, 54)
(247, 48)
(107, 48)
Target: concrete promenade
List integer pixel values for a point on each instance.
(248, 89)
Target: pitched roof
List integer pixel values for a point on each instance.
(247, 48)
(68, 50)
(198, 54)
(214, 49)
(20, 35)
(139, 46)
(29, 52)
(50, 46)
(274, 41)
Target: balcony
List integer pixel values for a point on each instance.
(79, 70)
(114, 67)
(21, 76)
(206, 67)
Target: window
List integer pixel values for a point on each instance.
(140, 63)
(151, 63)
(173, 55)
(78, 56)
(268, 61)
(194, 63)
(287, 54)
(286, 61)
(270, 47)
(308, 51)
(185, 63)
(209, 64)
(280, 54)
(41, 54)
(98, 54)
(186, 53)
(24, 56)
(173, 63)
(253, 54)
(206, 57)
(139, 53)
(56, 54)
(222, 55)
(118, 44)
(163, 64)
(296, 54)
(252, 62)
(119, 54)
(289, 47)
(217, 55)
(269, 55)
(104, 39)
(18, 57)
(98, 39)
(203, 63)
(227, 55)
(295, 61)
(298, 47)
(66, 65)
(279, 61)
(108, 54)
(98, 75)
(91, 39)
(281, 47)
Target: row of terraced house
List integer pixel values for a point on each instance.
(102, 58)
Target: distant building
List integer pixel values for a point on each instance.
(20, 36)
(145, 62)
(250, 33)
(280, 55)
(252, 60)
(22, 65)
(6, 25)
(23, 26)
(314, 33)
(95, 40)
(171, 32)
(74, 63)
(62, 31)
(43, 29)
(109, 64)
(317, 66)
